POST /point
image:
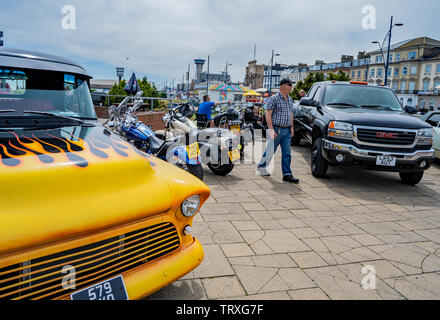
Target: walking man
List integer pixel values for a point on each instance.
(279, 117)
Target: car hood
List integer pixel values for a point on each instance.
(61, 183)
(376, 118)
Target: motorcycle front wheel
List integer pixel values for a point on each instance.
(221, 169)
(195, 169)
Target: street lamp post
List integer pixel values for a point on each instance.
(119, 73)
(388, 51)
(271, 67)
(207, 79)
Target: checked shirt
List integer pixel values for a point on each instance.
(282, 110)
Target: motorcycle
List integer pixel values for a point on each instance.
(123, 120)
(219, 148)
(233, 118)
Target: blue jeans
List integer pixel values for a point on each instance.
(283, 138)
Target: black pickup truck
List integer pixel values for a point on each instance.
(364, 126)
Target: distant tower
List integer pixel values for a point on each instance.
(199, 67)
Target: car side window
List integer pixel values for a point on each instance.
(317, 95)
(434, 120)
(312, 92)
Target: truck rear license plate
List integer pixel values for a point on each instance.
(112, 289)
(388, 161)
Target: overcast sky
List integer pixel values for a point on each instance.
(161, 37)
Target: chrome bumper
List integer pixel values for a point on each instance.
(368, 154)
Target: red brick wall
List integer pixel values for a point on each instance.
(154, 119)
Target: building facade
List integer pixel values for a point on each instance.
(413, 72)
(277, 70)
(254, 75)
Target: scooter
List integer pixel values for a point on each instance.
(125, 123)
(219, 148)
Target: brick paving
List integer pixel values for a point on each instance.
(265, 239)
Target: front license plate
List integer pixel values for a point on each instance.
(387, 161)
(112, 289)
(235, 129)
(234, 155)
(193, 150)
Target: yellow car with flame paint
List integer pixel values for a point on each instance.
(83, 214)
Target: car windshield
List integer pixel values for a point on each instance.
(362, 97)
(24, 91)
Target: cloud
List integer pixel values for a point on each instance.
(162, 37)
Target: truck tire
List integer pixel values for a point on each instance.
(318, 164)
(411, 178)
(221, 169)
(296, 139)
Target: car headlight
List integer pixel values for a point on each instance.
(425, 136)
(190, 206)
(340, 129)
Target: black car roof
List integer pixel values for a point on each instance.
(18, 58)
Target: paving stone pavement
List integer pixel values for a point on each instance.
(265, 239)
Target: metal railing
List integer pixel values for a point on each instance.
(151, 99)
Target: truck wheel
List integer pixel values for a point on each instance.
(412, 178)
(319, 165)
(221, 169)
(296, 139)
(196, 170)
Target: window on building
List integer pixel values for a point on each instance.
(379, 59)
(397, 56)
(426, 84)
(428, 69)
(432, 104)
(412, 86)
(413, 70)
(379, 72)
(405, 71)
(389, 72)
(391, 58)
(396, 72)
(437, 85)
(359, 74)
(437, 69)
(403, 85)
(395, 85)
(352, 74)
(411, 55)
(410, 102)
(372, 72)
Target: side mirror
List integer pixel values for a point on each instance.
(410, 109)
(309, 102)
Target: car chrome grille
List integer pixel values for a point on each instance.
(393, 137)
(41, 278)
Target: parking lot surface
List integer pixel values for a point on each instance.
(265, 239)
